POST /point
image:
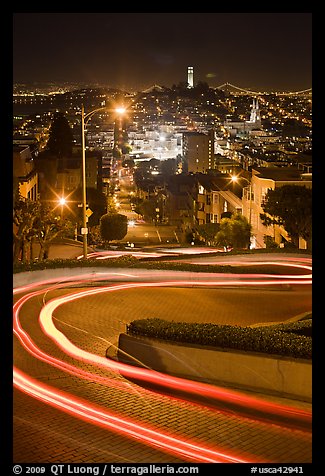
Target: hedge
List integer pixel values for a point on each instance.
(289, 340)
(133, 262)
(123, 261)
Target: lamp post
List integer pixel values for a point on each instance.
(84, 229)
(84, 118)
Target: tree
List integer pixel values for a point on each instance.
(208, 232)
(202, 87)
(60, 137)
(168, 167)
(226, 215)
(289, 206)
(94, 236)
(96, 201)
(49, 225)
(234, 232)
(294, 128)
(35, 221)
(147, 209)
(25, 213)
(113, 226)
(111, 204)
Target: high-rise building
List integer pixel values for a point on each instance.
(190, 76)
(198, 151)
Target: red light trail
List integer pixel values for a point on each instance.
(91, 413)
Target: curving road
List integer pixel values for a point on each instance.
(71, 404)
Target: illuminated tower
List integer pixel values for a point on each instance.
(190, 76)
(255, 113)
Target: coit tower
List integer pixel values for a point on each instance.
(190, 76)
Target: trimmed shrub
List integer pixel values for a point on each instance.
(123, 261)
(283, 339)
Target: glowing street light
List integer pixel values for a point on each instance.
(62, 201)
(120, 110)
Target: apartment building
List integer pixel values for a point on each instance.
(199, 199)
(215, 196)
(198, 151)
(265, 179)
(25, 177)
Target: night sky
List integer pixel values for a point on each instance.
(263, 51)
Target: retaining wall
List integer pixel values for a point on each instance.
(291, 378)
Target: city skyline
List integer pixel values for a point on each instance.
(267, 51)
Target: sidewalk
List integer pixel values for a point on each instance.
(65, 249)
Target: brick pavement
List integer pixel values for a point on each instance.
(44, 434)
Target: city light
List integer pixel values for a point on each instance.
(192, 162)
(120, 110)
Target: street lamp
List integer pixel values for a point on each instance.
(84, 119)
(62, 202)
(234, 178)
(120, 110)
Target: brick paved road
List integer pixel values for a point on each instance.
(45, 434)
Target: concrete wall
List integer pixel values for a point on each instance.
(29, 277)
(285, 377)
